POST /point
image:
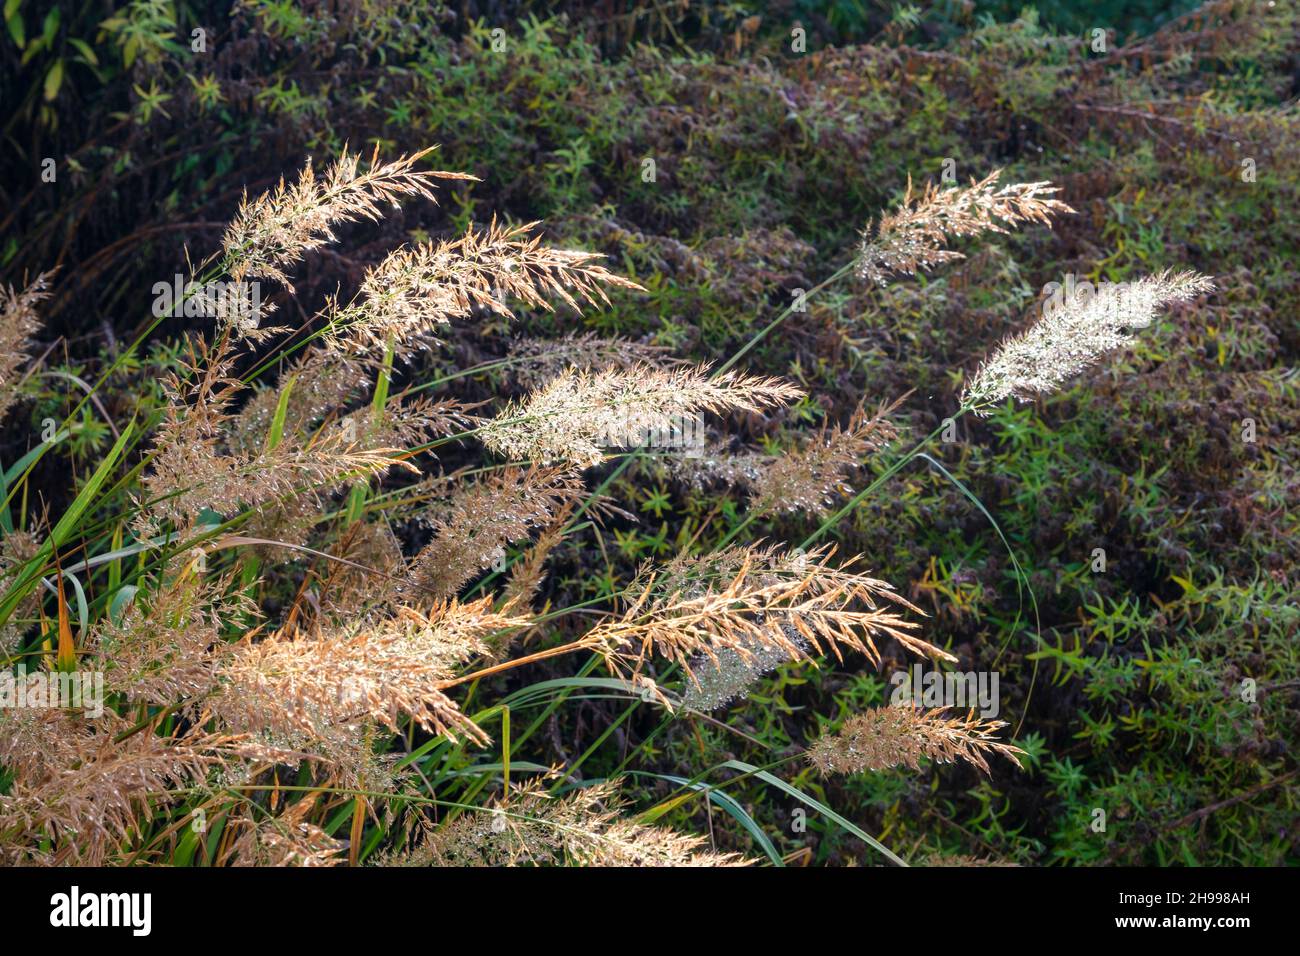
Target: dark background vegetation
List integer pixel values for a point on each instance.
(770, 164)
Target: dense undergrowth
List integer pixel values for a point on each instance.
(1121, 552)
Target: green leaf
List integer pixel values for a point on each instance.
(54, 79)
(84, 49)
(63, 530)
(357, 497)
(51, 27)
(117, 607)
(186, 848)
(15, 24)
(276, 432)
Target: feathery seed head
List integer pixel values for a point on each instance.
(418, 291)
(578, 414)
(747, 599)
(336, 679)
(531, 828)
(82, 784)
(319, 383)
(915, 236)
(472, 529)
(535, 361)
(18, 323)
(17, 547)
(901, 735)
(286, 840)
(727, 675)
(275, 230)
(166, 646)
(810, 478)
(1073, 335)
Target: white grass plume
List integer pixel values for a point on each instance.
(579, 414)
(1074, 335)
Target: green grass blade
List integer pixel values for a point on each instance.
(724, 801)
(65, 526)
(816, 805)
